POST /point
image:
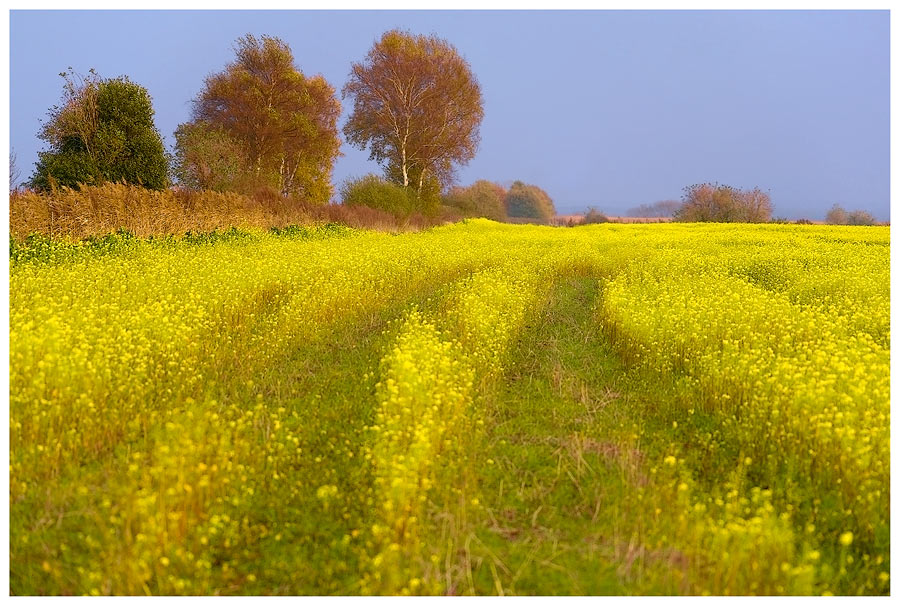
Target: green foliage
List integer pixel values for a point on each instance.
(40, 249)
(423, 188)
(376, 192)
(529, 202)
(103, 131)
(427, 197)
(68, 166)
(313, 232)
(481, 199)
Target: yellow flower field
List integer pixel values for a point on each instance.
(477, 408)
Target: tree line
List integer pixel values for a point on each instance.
(262, 123)
(712, 202)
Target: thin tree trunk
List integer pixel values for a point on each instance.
(403, 166)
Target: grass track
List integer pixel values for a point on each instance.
(563, 455)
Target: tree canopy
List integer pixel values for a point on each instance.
(102, 130)
(261, 121)
(417, 106)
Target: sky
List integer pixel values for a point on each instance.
(605, 109)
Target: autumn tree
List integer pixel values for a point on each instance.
(103, 130)
(283, 122)
(529, 202)
(417, 106)
(755, 206)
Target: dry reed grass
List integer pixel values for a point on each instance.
(99, 210)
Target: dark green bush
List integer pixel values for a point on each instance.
(375, 192)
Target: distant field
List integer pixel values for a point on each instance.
(472, 409)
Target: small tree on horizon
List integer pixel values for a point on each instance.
(836, 215)
(860, 217)
(529, 202)
(712, 202)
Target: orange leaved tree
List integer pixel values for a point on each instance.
(417, 106)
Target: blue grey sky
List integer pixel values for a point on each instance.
(600, 108)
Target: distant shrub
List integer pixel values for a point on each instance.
(839, 216)
(378, 193)
(803, 222)
(593, 216)
(860, 217)
(529, 202)
(663, 208)
(724, 204)
(481, 199)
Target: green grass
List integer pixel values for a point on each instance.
(564, 457)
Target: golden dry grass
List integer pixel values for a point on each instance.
(98, 210)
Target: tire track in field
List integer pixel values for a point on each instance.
(559, 455)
